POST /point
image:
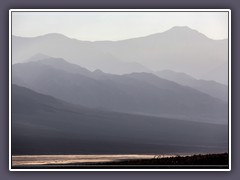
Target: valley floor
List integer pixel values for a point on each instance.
(207, 161)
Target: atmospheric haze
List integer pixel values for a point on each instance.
(119, 83)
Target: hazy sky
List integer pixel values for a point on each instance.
(95, 26)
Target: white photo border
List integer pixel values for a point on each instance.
(121, 10)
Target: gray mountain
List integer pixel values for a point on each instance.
(141, 93)
(209, 87)
(37, 57)
(180, 49)
(45, 125)
(61, 64)
(218, 73)
(78, 52)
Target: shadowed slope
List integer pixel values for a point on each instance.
(44, 125)
(209, 87)
(141, 93)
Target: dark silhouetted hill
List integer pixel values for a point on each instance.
(45, 125)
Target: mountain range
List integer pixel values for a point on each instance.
(162, 93)
(212, 88)
(180, 49)
(42, 124)
(138, 93)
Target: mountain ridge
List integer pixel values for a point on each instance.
(210, 87)
(135, 92)
(188, 52)
(45, 125)
(153, 34)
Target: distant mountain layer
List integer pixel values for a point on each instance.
(139, 93)
(209, 87)
(218, 74)
(45, 125)
(180, 49)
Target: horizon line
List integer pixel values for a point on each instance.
(57, 33)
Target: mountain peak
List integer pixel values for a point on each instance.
(168, 72)
(53, 60)
(52, 35)
(186, 31)
(181, 28)
(37, 57)
(98, 71)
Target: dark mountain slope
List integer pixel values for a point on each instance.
(44, 125)
(209, 87)
(141, 93)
